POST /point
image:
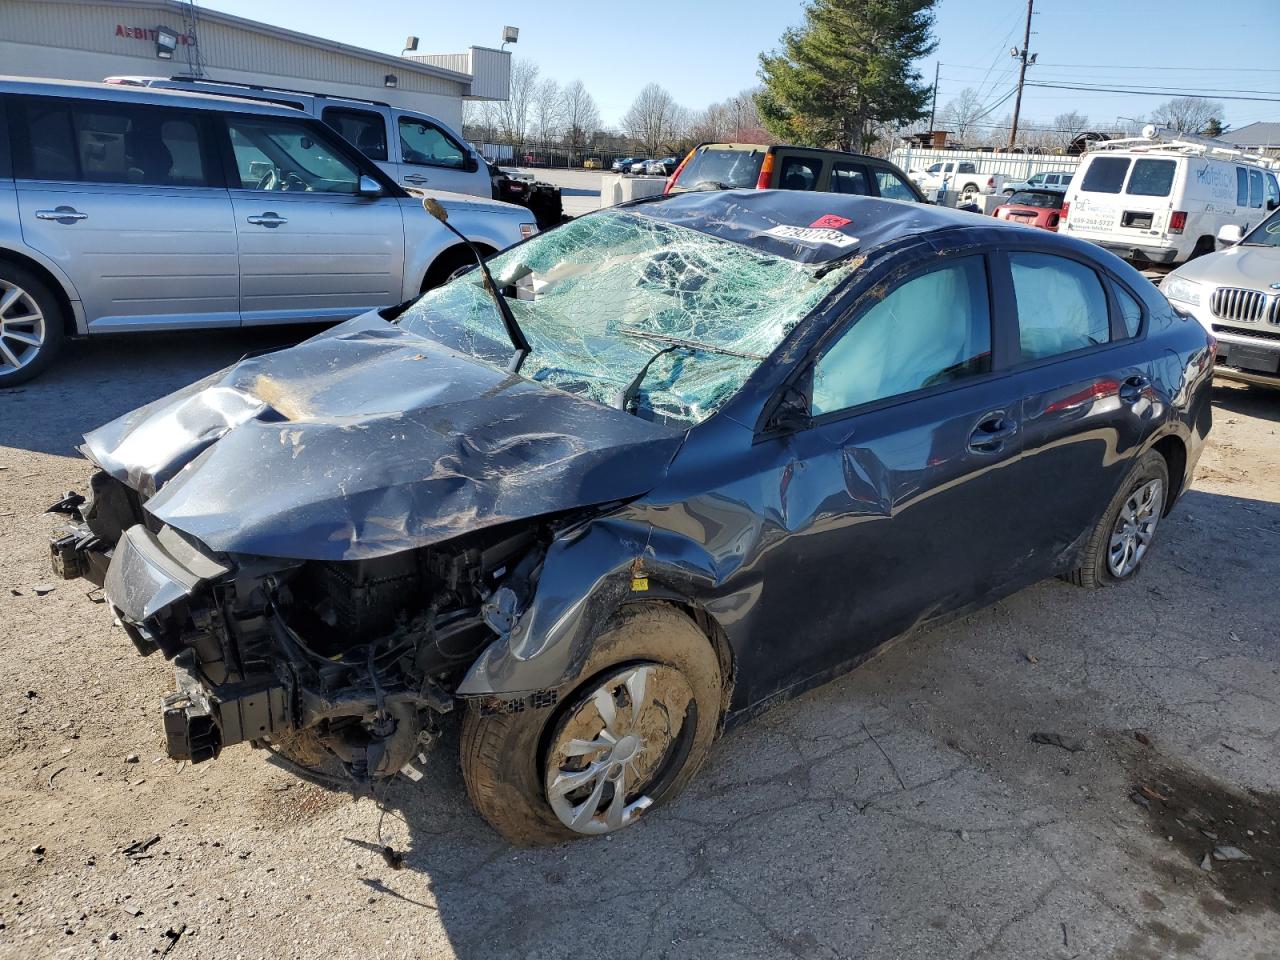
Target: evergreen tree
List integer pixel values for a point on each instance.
(848, 67)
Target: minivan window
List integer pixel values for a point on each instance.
(1255, 189)
(102, 142)
(364, 128)
(1105, 175)
(849, 178)
(1061, 305)
(1151, 178)
(424, 144)
(935, 328)
(1242, 187)
(1273, 190)
(722, 168)
(278, 154)
(799, 173)
(892, 186)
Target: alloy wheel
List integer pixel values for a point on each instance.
(611, 753)
(1134, 528)
(22, 327)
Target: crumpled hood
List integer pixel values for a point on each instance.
(368, 440)
(1239, 266)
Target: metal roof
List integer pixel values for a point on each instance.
(1261, 134)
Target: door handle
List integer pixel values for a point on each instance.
(1132, 389)
(992, 431)
(268, 219)
(416, 178)
(62, 215)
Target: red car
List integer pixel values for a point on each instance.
(1035, 208)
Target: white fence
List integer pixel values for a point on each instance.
(1015, 166)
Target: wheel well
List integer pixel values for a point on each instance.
(719, 641)
(449, 260)
(50, 281)
(1174, 452)
(1205, 244)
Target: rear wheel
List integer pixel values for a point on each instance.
(31, 325)
(969, 193)
(629, 737)
(1122, 538)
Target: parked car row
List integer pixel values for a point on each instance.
(126, 208)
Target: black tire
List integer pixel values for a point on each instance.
(1095, 570)
(452, 263)
(33, 360)
(504, 754)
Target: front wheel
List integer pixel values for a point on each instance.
(631, 736)
(1122, 538)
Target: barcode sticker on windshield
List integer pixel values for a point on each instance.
(811, 235)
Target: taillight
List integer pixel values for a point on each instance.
(766, 172)
(675, 174)
(1177, 221)
(991, 182)
(998, 213)
(1066, 208)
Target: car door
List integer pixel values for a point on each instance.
(1088, 395)
(894, 493)
(127, 199)
(311, 248)
(431, 158)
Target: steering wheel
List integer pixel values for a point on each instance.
(294, 182)
(268, 181)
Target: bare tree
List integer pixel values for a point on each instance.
(1187, 114)
(653, 119)
(547, 112)
(1068, 126)
(962, 113)
(510, 118)
(581, 117)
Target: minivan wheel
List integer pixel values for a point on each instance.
(31, 324)
(629, 737)
(1123, 537)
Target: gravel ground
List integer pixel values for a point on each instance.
(901, 812)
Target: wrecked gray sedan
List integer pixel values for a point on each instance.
(637, 477)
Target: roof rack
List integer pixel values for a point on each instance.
(236, 85)
(1162, 139)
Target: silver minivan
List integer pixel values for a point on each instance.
(416, 149)
(129, 209)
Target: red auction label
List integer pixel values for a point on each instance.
(831, 222)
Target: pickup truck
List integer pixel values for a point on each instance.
(957, 176)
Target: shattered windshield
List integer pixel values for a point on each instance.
(603, 295)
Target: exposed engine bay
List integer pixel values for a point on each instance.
(351, 661)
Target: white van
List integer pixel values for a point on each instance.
(1164, 202)
(415, 149)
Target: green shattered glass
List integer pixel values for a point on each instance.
(601, 295)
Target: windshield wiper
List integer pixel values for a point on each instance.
(627, 395)
(518, 339)
(690, 344)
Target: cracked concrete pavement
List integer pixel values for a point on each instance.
(899, 812)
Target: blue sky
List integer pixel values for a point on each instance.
(705, 50)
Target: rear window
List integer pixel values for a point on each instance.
(1151, 178)
(723, 169)
(1105, 175)
(1037, 198)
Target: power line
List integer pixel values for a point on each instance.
(1188, 91)
(1135, 91)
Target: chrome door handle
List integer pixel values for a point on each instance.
(1133, 388)
(62, 215)
(416, 178)
(268, 219)
(990, 434)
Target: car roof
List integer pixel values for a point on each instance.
(823, 151)
(124, 93)
(807, 227)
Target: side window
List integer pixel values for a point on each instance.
(934, 328)
(102, 142)
(1255, 188)
(278, 154)
(799, 173)
(849, 178)
(1061, 305)
(1130, 311)
(1242, 187)
(364, 128)
(968, 168)
(891, 186)
(1273, 190)
(424, 144)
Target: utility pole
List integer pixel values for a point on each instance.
(933, 110)
(1022, 74)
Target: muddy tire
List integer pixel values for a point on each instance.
(658, 677)
(1121, 540)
